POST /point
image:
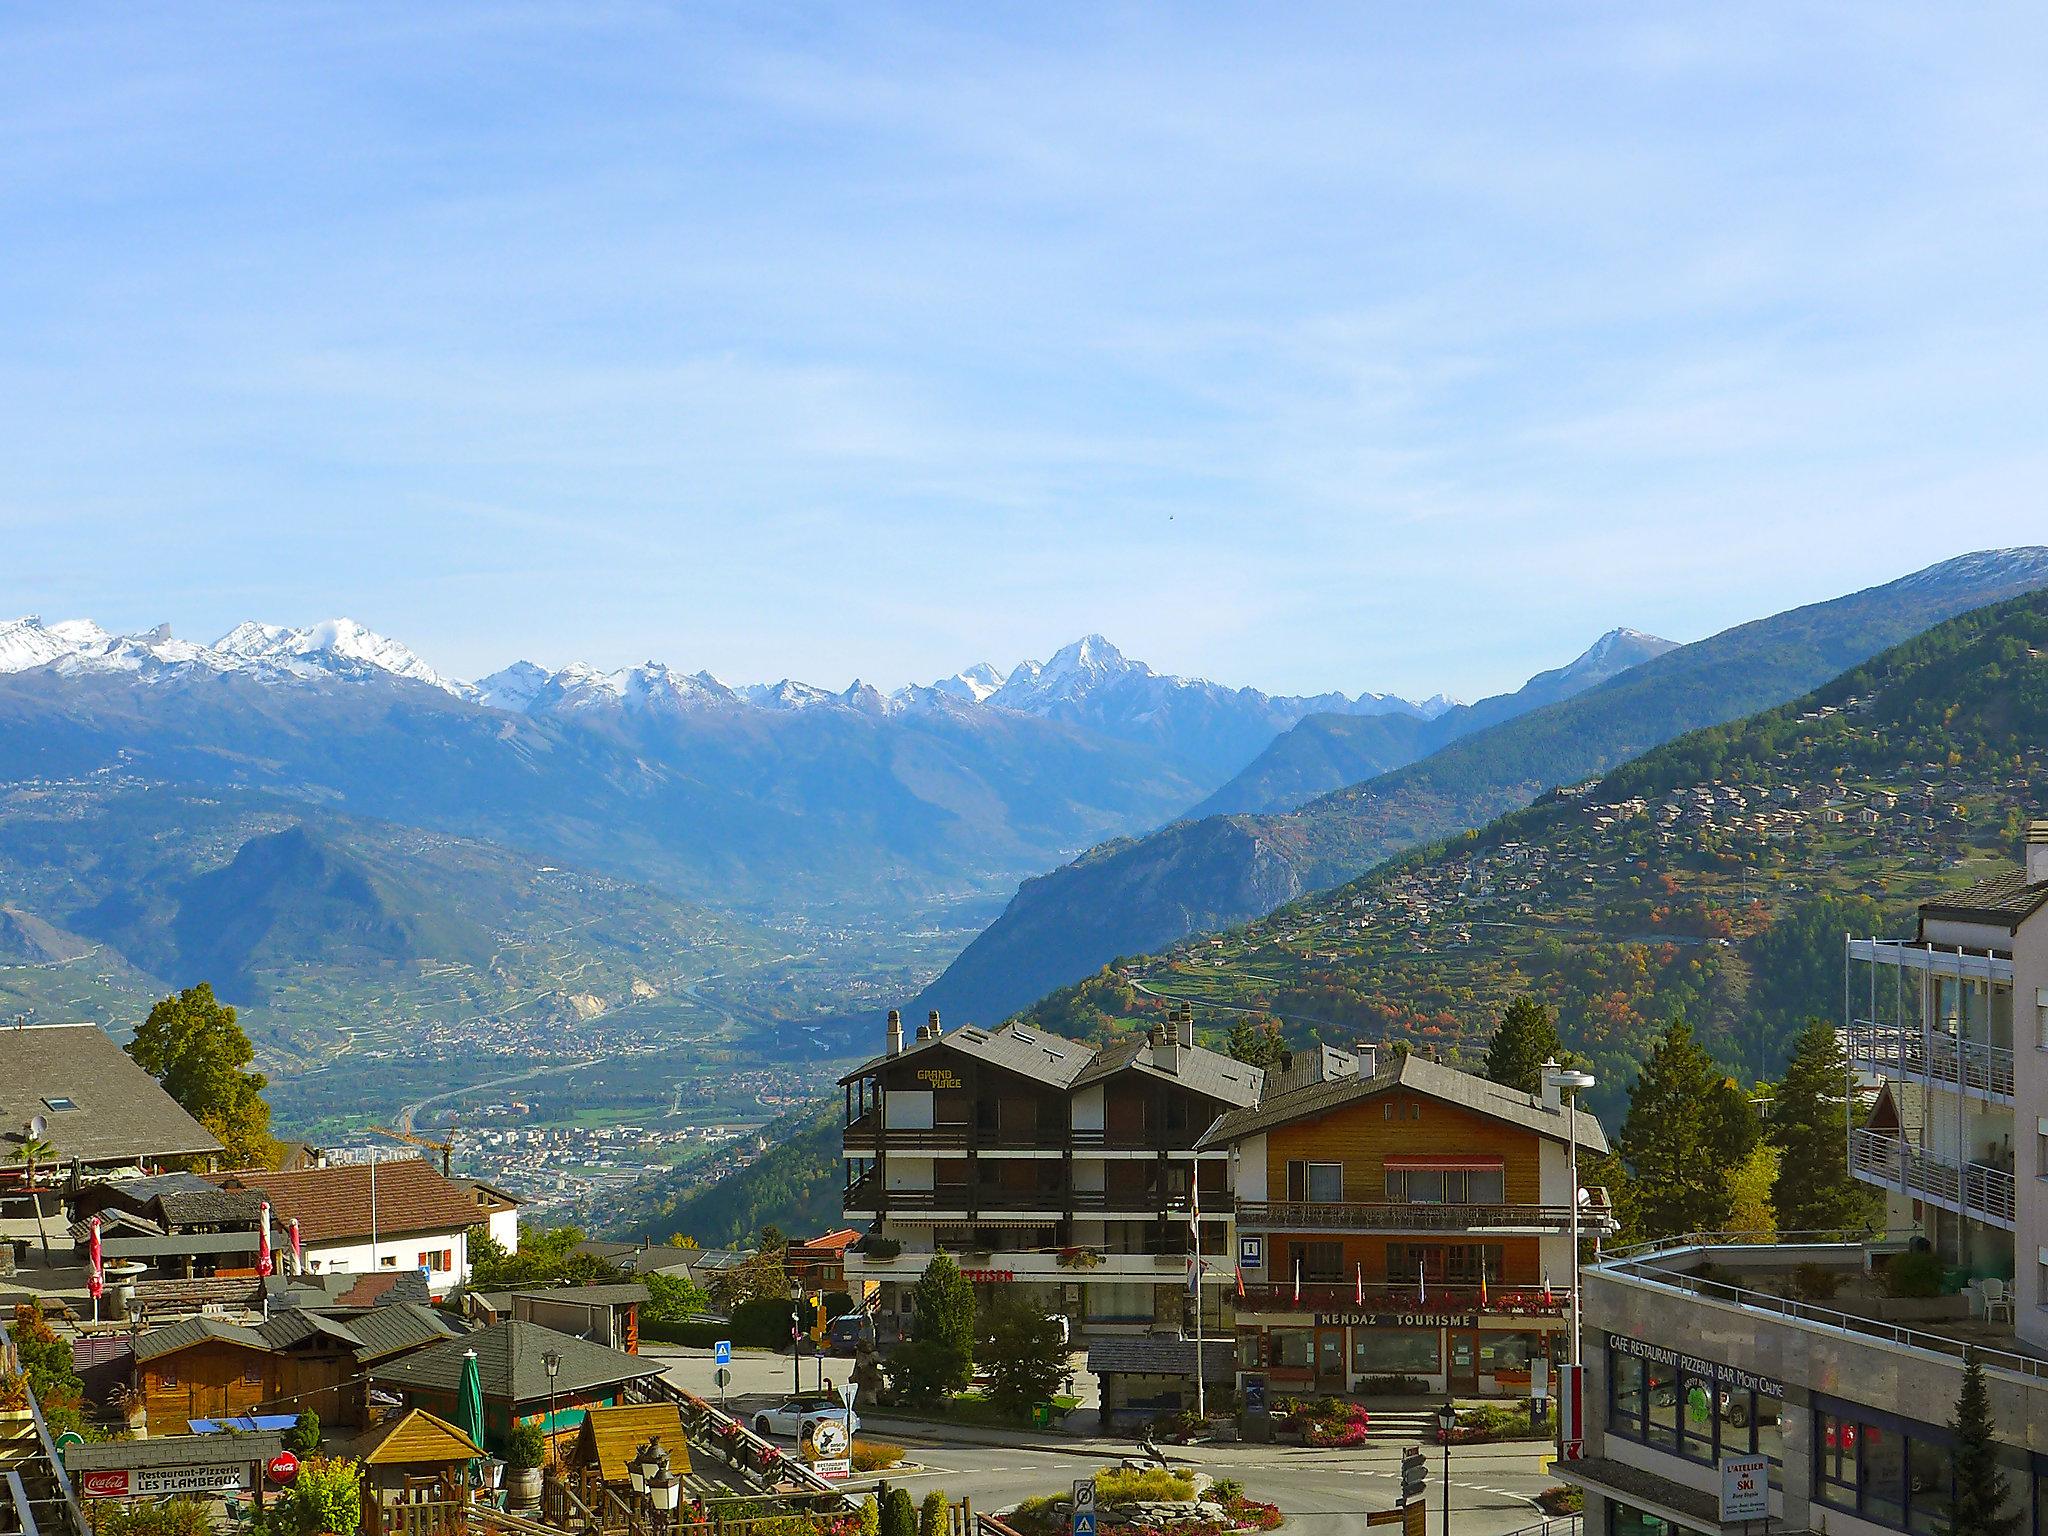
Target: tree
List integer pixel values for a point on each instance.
(192, 1045)
(1981, 1499)
(1525, 1040)
(1256, 1041)
(1688, 1127)
(1027, 1361)
(1813, 1191)
(34, 1150)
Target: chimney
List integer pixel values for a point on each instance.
(932, 1023)
(2037, 852)
(1553, 1095)
(895, 1032)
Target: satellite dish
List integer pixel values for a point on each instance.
(37, 1124)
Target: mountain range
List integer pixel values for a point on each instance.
(1136, 895)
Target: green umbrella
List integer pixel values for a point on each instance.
(469, 1402)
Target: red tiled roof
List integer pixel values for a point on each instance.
(332, 1204)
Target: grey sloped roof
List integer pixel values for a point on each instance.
(1032, 1053)
(1160, 1354)
(1417, 1074)
(384, 1331)
(1196, 1068)
(510, 1365)
(122, 1112)
(2005, 899)
(187, 1331)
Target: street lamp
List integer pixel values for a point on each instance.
(552, 1359)
(1570, 1083)
(1447, 1420)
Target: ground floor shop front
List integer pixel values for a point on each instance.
(1467, 1353)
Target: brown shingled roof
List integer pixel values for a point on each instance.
(332, 1204)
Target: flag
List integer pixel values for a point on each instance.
(263, 1264)
(1297, 1282)
(1421, 1284)
(1360, 1288)
(95, 1267)
(298, 1247)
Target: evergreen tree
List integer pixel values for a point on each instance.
(1981, 1501)
(192, 1045)
(1689, 1128)
(1525, 1039)
(1813, 1191)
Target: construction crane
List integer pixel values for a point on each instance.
(445, 1148)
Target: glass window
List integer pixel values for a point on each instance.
(1395, 1351)
(1326, 1182)
(1660, 1396)
(1625, 1383)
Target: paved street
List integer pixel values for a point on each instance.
(1493, 1487)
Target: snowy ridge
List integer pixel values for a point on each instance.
(1090, 675)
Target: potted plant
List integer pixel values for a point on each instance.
(525, 1449)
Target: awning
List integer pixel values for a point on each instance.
(1447, 1161)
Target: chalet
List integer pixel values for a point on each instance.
(1401, 1220)
(97, 1108)
(512, 1362)
(370, 1217)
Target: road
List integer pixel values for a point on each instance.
(1322, 1493)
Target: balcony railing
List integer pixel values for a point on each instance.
(1519, 1300)
(1974, 1189)
(1935, 1056)
(1408, 1216)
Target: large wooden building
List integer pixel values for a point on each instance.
(1405, 1220)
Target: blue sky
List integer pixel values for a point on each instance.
(1401, 347)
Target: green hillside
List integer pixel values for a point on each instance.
(1714, 876)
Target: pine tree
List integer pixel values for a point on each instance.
(1813, 1191)
(1981, 1502)
(1689, 1128)
(1524, 1041)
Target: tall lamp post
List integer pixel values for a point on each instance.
(1447, 1420)
(1570, 1083)
(552, 1360)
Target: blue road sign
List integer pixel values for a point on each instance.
(721, 1352)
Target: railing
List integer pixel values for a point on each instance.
(1935, 1055)
(1974, 1189)
(1342, 1296)
(1652, 1264)
(1408, 1216)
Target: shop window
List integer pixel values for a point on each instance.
(1395, 1352)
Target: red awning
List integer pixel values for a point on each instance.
(1446, 1160)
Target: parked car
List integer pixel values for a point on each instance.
(799, 1411)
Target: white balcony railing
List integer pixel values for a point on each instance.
(1974, 1189)
(1933, 1056)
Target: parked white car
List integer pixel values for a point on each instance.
(798, 1412)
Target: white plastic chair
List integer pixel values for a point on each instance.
(1997, 1298)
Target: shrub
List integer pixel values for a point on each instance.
(875, 1455)
(1914, 1274)
(931, 1514)
(1154, 1485)
(525, 1446)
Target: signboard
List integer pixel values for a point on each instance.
(282, 1467)
(1714, 1371)
(721, 1352)
(1251, 1253)
(1083, 1519)
(157, 1482)
(1745, 1488)
(1571, 1411)
(1397, 1319)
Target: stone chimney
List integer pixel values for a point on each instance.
(932, 1023)
(895, 1032)
(2037, 852)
